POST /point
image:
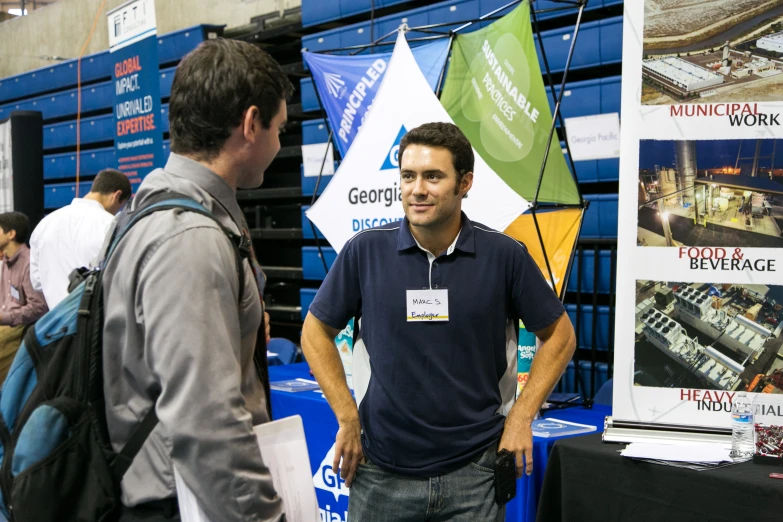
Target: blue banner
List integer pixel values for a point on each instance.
(347, 85)
(138, 140)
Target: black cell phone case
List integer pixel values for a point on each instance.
(505, 478)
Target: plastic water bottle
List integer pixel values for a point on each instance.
(741, 426)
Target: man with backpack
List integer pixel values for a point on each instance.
(181, 336)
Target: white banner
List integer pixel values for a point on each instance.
(365, 191)
(131, 22)
(700, 268)
(6, 168)
(594, 137)
(317, 156)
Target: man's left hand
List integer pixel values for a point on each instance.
(266, 327)
(518, 439)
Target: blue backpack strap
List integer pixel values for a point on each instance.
(174, 200)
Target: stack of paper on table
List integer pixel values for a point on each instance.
(695, 456)
(549, 427)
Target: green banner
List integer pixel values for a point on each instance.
(495, 93)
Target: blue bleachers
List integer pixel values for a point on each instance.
(316, 12)
(164, 117)
(62, 75)
(568, 382)
(587, 267)
(306, 296)
(93, 130)
(584, 336)
(601, 376)
(94, 97)
(314, 131)
(171, 47)
(599, 43)
(312, 266)
(593, 171)
(58, 195)
(589, 97)
(601, 217)
(60, 166)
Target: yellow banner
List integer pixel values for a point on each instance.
(558, 231)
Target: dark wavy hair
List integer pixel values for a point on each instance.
(446, 136)
(213, 86)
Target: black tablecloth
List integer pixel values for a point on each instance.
(588, 480)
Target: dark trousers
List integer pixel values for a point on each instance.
(165, 510)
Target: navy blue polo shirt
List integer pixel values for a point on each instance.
(438, 392)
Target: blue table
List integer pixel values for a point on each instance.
(321, 427)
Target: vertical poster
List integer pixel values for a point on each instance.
(6, 168)
(699, 289)
(133, 44)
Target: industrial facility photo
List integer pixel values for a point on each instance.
(709, 336)
(715, 51)
(720, 193)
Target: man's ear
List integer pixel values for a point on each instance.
(12, 235)
(467, 182)
(251, 123)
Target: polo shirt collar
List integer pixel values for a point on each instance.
(205, 178)
(465, 241)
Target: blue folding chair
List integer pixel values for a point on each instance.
(604, 395)
(285, 349)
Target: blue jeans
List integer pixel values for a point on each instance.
(467, 494)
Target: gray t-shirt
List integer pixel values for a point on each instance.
(176, 335)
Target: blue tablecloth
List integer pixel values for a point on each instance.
(321, 427)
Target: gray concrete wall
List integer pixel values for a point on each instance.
(62, 28)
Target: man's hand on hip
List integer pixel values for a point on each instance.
(348, 447)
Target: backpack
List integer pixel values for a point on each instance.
(57, 461)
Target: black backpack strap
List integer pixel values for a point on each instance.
(241, 244)
(124, 458)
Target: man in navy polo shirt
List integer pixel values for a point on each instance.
(439, 298)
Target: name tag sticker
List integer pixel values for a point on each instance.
(428, 305)
(14, 292)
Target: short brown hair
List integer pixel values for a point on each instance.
(445, 136)
(18, 222)
(213, 86)
(109, 181)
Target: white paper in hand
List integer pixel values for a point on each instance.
(284, 450)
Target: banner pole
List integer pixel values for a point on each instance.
(443, 69)
(320, 175)
(485, 16)
(558, 114)
(559, 101)
(543, 250)
(570, 265)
